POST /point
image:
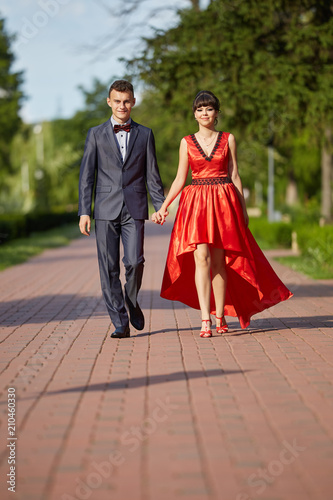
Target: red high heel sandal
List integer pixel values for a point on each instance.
(221, 328)
(207, 332)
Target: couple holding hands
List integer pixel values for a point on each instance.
(213, 263)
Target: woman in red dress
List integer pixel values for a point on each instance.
(214, 264)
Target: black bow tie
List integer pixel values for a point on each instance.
(122, 128)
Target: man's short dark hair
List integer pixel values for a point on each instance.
(122, 86)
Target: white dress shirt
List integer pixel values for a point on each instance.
(122, 137)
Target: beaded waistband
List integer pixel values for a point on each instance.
(211, 180)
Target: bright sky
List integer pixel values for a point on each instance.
(52, 47)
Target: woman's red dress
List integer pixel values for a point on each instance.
(212, 214)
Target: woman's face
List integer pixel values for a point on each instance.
(205, 115)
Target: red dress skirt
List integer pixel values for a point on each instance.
(210, 212)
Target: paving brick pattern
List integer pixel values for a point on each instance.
(164, 414)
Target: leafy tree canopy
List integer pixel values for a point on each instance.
(10, 96)
(269, 62)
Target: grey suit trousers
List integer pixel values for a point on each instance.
(108, 235)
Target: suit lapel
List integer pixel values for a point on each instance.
(132, 139)
(112, 141)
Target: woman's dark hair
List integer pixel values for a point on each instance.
(205, 98)
(122, 86)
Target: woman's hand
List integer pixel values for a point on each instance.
(160, 216)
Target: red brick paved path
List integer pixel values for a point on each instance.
(163, 415)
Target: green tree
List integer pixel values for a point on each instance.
(10, 97)
(270, 62)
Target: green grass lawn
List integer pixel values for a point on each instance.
(310, 267)
(20, 250)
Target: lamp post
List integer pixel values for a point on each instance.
(270, 193)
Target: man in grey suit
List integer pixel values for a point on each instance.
(118, 165)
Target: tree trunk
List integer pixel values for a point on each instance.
(196, 5)
(326, 177)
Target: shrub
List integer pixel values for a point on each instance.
(20, 226)
(271, 234)
(11, 227)
(316, 243)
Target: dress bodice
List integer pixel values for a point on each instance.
(215, 165)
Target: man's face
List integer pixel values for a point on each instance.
(121, 104)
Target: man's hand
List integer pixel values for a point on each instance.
(159, 217)
(85, 224)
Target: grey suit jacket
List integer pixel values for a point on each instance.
(112, 181)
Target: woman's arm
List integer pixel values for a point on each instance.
(234, 175)
(176, 186)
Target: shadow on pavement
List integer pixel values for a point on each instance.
(145, 381)
(315, 289)
(46, 308)
(66, 307)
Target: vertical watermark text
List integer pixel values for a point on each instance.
(12, 439)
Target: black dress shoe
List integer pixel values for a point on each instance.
(136, 315)
(121, 332)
